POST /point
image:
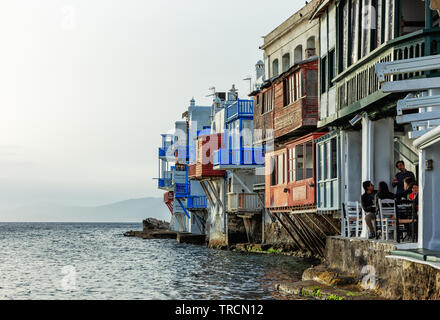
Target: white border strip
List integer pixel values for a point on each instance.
(435, 265)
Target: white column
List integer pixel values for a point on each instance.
(383, 151)
(367, 149)
(429, 200)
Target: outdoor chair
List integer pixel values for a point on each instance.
(352, 226)
(387, 218)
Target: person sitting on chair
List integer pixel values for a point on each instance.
(383, 193)
(414, 197)
(408, 184)
(367, 203)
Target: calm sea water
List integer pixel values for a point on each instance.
(95, 261)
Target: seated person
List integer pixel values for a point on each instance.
(383, 193)
(367, 203)
(407, 186)
(414, 197)
(414, 192)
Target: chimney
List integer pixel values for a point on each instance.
(259, 70)
(310, 52)
(232, 94)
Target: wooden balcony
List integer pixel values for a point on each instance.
(243, 202)
(201, 171)
(204, 167)
(297, 189)
(358, 86)
(296, 118)
(197, 202)
(295, 104)
(240, 109)
(239, 158)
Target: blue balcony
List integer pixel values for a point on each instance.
(239, 157)
(197, 202)
(240, 109)
(164, 182)
(181, 190)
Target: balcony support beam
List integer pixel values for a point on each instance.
(208, 194)
(216, 194)
(245, 187)
(183, 207)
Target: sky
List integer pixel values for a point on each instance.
(88, 86)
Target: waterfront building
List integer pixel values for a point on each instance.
(285, 119)
(184, 198)
(225, 167)
(365, 141)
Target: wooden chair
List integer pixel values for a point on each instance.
(352, 220)
(387, 218)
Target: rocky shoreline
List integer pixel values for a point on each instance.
(153, 229)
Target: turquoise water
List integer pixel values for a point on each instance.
(95, 261)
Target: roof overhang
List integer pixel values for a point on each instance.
(320, 9)
(428, 139)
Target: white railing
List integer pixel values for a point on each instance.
(243, 202)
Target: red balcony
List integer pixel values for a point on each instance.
(168, 199)
(291, 185)
(204, 166)
(292, 109)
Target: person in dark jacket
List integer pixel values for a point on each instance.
(367, 203)
(383, 193)
(400, 178)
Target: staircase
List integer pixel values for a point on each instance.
(405, 152)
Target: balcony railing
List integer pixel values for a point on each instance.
(197, 202)
(239, 157)
(240, 109)
(244, 202)
(181, 190)
(164, 182)
(360, 80)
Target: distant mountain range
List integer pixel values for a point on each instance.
(133, 210)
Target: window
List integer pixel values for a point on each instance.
(311, 47)
(246, 132)
(292, 176)
(343, 34)
(331, 67)
(287, 88)
(298, 54)
(309, 160)
(327, 180)
(268, 97)
(354, 5)
(374, 25)
(312, 80)
(280, 169)
(273, 173)
(299, 162)
(293, 88)
(275, 70)
(324, 75)
(286, 62)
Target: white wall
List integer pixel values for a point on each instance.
(429, 210)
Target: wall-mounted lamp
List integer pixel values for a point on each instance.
(286, 190)
(429, 166)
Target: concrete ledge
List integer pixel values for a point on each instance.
(395, 277)
(190, 238)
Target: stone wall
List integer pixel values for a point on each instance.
(395, 278)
